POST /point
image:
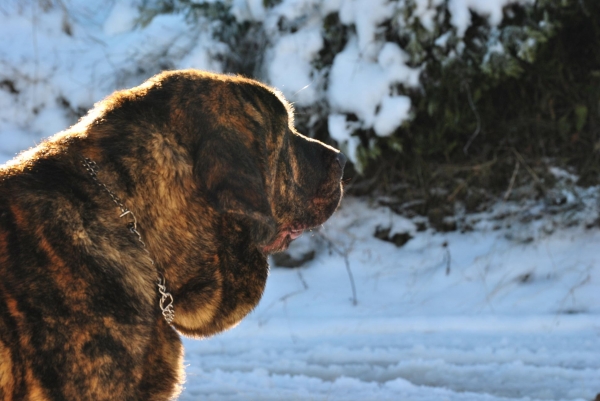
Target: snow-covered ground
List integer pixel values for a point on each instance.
(505, 308)
(483, 315)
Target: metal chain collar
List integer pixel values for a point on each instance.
(166, 299)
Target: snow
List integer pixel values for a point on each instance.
(386, 120)
(505, 308)
(461, 17)
(122, 18)
(425, 12)
(257, 9)
(290, 69)
(358, 85)
(421, 362)
(341, 130)
(417, 332)
(61, 61)
(366, 15)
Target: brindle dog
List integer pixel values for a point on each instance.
(215, 178)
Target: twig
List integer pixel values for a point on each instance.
(447, 257)
(283, 298)
(450, 169)
(465, 84)
(529, 170)
(512, 181)
(344, 254)
(456, 191)
(351, 277)
(356, 184)
(301, 277)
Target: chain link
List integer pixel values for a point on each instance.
(166, 299)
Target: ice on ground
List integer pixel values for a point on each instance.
(371, 359)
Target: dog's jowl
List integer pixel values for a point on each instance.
(151, 216)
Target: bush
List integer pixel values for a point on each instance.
(467, 96)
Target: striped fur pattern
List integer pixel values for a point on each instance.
(217, 177)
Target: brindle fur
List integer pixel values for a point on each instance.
(216, 175)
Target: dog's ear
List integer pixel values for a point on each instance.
(232, 176)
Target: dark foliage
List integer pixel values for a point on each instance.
(484, 121)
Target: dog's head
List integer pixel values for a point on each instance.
(253, 165)
(234, 182)
(306, 186)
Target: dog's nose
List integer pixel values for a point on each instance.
(341, 159)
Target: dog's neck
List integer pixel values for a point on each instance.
(166, 299)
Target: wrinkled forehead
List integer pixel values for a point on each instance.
(280, 116)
